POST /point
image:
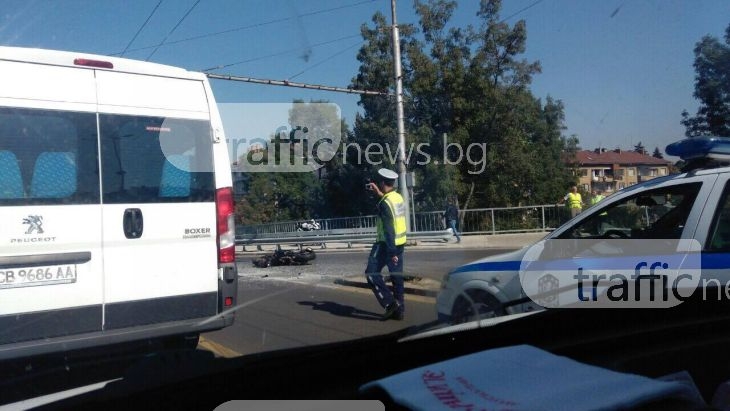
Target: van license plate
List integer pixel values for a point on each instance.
(37, 276)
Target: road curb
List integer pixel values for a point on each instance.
(217, 349)
(407, 290)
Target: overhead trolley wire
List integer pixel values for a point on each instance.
(521, 10)
(141, 28)
(281, 53)
(326, 59)
(250, 26)
(173, 30)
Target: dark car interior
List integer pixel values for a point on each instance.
(692, 337)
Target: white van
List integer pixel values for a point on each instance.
(116, 206)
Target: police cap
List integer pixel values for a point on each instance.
(387, 175)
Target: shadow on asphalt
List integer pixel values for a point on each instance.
(342, 310)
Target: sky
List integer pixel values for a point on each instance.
(622, 68)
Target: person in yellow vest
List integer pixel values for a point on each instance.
(575, 201)
(389, 244)
(596, 197)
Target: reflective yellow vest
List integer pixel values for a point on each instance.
(398, 209)
(574, 200)
(596, 199)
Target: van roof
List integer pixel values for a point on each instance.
(66, 58)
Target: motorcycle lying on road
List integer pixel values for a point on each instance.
(285, 257)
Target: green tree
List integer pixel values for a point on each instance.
(257, 206)
(283, 196)
(712, 88)
(570, 152)
(345, 178)
(470, 84)
(276, 197)
(318, 127)
(639, 148)
(657, 153)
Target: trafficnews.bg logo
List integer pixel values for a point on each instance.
(621, 273)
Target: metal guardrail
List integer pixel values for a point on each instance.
(475, 221)
(322, 237)
(328, 224)
(427, 226)
(499, 220)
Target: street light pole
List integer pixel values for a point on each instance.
(399, 115)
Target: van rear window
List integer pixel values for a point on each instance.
(48, 157)
(154, 159)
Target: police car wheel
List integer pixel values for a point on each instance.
(482, 305)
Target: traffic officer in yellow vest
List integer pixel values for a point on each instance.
(596, 197)
(388, 247)
(575, 201)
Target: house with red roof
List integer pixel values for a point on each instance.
(611, 170)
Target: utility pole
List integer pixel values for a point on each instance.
(402, 184)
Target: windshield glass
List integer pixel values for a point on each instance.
(306, 182)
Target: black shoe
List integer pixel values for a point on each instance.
(390, 311)
(398, 316)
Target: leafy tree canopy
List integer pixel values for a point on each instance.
(484, 137)
(712, 88)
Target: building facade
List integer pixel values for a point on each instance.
(612, 170)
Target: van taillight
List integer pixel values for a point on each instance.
(94, 63)
(226, 225)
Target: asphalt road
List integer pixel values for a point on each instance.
(286, 307)
(281, 307)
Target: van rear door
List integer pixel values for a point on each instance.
(158, 195)
(50, 215)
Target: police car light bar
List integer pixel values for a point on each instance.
(708, 147)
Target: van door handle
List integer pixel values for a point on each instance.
(133, 223)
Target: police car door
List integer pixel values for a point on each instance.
(714, 234)
(50, 217)
(666, 209)
(158, 190)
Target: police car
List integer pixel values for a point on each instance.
(694, 205)
(116, 206)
